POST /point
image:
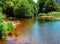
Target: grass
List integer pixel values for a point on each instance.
(55, 14)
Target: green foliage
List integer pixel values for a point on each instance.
(5, 29)
(41, 5)
(18, 7)
(2, 27)
(58, 8)
(56, 14)
(1, 17)
(23, 8)
(0, 10)
(46, 6)
(2, 30)
(51, 5)
(42, 14)
(8, 6)
(10, 28)
(8, 3)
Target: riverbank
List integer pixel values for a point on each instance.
(17, 20)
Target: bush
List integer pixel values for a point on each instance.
(0, 10)
(23, 8)
(8, 6)
(10, 28)
(18, 8)
(46, 6)
(56, 14)
(2, 27)
(42, 14)
(2, 30)
(5, 29)
(2, 17)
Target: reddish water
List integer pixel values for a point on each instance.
(20, 35)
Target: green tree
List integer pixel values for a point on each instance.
(35, 7)
(8, 6)
(18, 8)
(47, 6)
(51, 5)
(23, 9)
(41, 5)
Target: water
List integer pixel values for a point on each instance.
(34, 31)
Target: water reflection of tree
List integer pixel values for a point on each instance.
(23, 27)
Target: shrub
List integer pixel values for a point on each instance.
(23, 8)
(10, 28)
(2, 27)
(5, 29)
(18, 8)
(56, 14)
(2, 30)
(0, 10)
(2, 17)
(8, 6)
(46, 6)
(42, 14)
